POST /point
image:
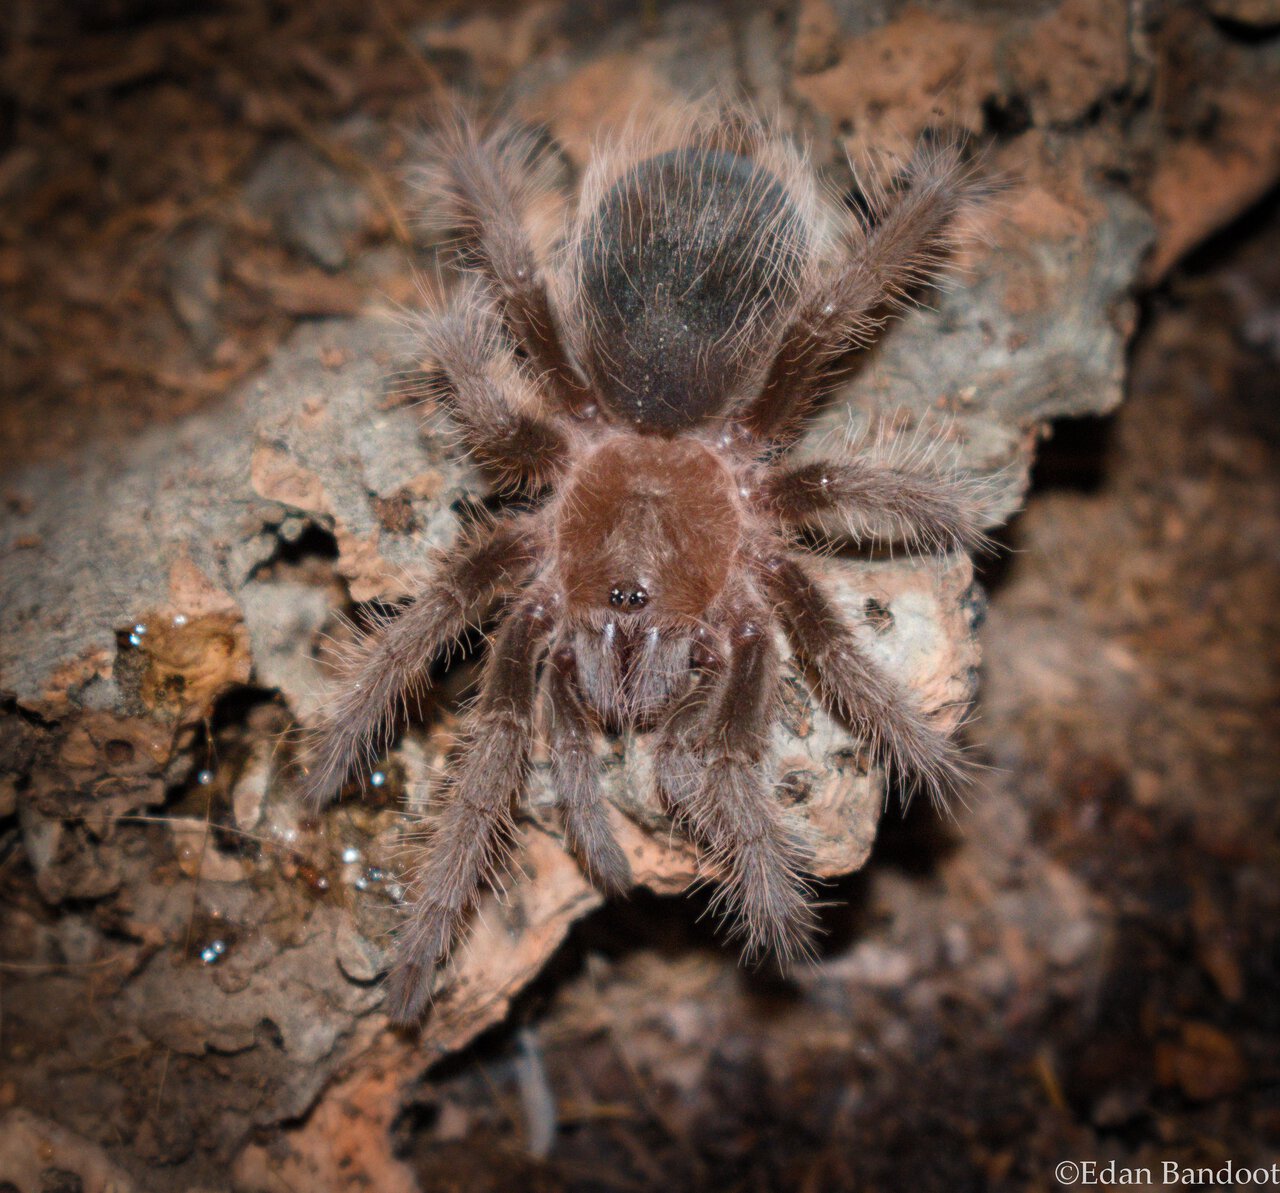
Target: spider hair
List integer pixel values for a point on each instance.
(641, 387)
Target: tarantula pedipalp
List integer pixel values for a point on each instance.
(643, 388)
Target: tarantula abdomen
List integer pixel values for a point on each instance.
(686, 262)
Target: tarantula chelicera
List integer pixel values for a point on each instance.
(642, 387)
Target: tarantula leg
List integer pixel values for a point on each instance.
(575, 777)
(490, 406)
(905, 240)
(873, 702)
(473, 830)
(490, 181)
(463, 588)
(882, 499)
(710, 768)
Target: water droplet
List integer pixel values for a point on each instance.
(140, 629)
(350, 855)
(362, 883)
(134, 640)
(377, 779)
(212, 952)
(179, 620)
(204, 778)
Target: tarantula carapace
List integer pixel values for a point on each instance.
(642, 384)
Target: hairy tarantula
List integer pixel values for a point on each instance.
(642, 388)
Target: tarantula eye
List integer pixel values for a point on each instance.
(636, 597)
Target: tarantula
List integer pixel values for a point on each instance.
(642, 387)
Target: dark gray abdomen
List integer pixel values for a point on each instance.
(687, 255)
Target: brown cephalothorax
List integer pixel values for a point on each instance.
(642, 388)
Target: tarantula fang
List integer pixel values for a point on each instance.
(642, 386)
